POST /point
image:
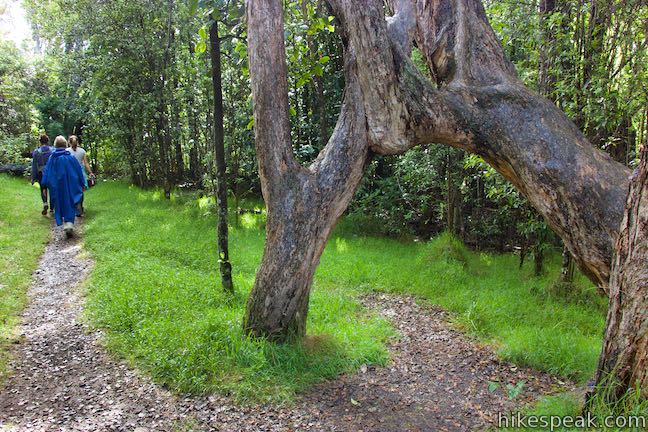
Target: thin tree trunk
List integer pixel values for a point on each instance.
(623, 364)
(538, 259)
(177, 133)
(546, 78)
(454, 195)
(566, 267)
(164, 132)
(219, 153)
(192, 118)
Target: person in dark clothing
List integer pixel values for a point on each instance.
(40, 156)
(63, 178)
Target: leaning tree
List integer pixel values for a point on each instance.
(477, 103)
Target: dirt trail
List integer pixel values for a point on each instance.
(64, 381)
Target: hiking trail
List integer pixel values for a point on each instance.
(62, 379)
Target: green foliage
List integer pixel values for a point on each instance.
(12, 149)
(593, 55)
(17, 120)
(21, 244)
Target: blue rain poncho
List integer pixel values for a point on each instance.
(64, 180)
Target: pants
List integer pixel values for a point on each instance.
(43, 190)
(79, 206)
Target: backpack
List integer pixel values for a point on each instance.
(42, 156)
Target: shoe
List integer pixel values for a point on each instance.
(45, 208)
(68, 228)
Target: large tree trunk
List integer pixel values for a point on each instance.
(623, 364)
(219, 153)
(478, 104)
(303, 204)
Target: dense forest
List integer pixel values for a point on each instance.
(160, 93)
(134, 80)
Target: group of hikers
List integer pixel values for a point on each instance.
(62, 172)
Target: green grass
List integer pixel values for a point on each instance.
(631, 411)
(521, 315)
(155, 289)
(23, 234)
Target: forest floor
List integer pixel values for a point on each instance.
(64, 380)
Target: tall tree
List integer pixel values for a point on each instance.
(219, 152)
(478, 104)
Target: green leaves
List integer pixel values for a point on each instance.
(193, 7)
(493, 386)
(201, 46)
(515, 390)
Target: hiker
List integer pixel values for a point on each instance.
(80, 155)
(40, 156)
(63, 177)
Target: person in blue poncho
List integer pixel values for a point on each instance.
(64, 179)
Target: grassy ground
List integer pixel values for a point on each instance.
(155, 288)
(23, 234)
(628, 415)
(523, 316)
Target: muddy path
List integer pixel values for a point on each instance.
(63, 380)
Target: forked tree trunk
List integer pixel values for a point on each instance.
(303, 203)
(623, 364)
(477, 104)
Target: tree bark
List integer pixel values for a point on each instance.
(219, 153)
(482, 107)
(164, 133)
(566, 268)
(454, 194)
(192, 117)
(623, 364)
(478, 104)
(303, 204)
(538, 259)
(546, 77)
(177, 133)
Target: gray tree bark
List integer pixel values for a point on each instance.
(623, 364)
(477, 104)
